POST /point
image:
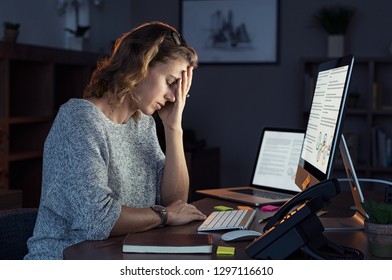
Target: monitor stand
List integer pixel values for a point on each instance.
(355, 222)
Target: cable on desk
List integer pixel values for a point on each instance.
(388, 189)
(367, 180)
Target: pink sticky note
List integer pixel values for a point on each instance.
(269, 208)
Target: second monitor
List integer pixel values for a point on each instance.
(324, 126)
(323, 135)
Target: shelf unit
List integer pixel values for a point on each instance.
(369, 107)
(34, 82)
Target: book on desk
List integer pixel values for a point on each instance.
(173, 243)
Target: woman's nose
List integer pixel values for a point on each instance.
(170, 96)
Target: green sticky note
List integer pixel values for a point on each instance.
(224, 250)
(222, 208)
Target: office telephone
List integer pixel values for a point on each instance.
(296, 229)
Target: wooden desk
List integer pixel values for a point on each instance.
(111, 249)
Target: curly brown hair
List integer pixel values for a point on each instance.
(134, 53)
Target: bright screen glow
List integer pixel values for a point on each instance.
(323, 117)
(278, 160)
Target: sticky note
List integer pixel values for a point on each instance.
(269, 208)
(240, 207)
(222, 208)
(224, 250)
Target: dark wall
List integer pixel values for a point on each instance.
(230, 105)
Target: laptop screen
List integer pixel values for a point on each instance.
(278, 158)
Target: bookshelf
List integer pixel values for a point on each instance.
(368, 114)
(34, 82)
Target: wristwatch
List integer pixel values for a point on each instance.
(162, 212)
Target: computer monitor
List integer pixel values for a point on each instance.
(324, 126)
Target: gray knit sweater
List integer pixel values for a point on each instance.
(91, 167)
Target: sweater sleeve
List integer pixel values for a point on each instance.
(76, 175)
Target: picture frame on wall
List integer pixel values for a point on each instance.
(232, 31)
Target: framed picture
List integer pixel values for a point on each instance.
(231, 31)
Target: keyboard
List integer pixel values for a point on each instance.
(265, 194)
(232, 219)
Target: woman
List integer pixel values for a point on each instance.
(104, 173)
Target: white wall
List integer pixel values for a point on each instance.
(42, 25)
(109, 23)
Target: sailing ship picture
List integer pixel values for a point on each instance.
(236, 31)
(225, 35)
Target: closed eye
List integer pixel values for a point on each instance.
(172, 84)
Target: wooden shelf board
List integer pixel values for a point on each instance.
(28, 119)
(25, 155)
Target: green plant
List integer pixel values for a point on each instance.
(334, 19)
(11, 25)
(378, 212)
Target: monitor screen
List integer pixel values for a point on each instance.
(323, 131)
(277, 159)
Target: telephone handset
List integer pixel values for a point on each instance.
(296, 227)
(325, 190)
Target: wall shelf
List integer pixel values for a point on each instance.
(34, 82)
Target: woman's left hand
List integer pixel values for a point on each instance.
(171, 113)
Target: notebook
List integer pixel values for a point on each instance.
(273, 178)
(175, 243)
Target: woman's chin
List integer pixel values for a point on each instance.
(148, 112)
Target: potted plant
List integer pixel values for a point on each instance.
(378, 226)
(334, 20)
(11, 31)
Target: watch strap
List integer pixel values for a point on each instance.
(162, 213)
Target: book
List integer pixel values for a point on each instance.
(145, 242)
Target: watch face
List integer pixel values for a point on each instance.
(162, 211)
(158, 208)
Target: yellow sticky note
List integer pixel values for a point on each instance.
(222, 208)
(224, 250)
